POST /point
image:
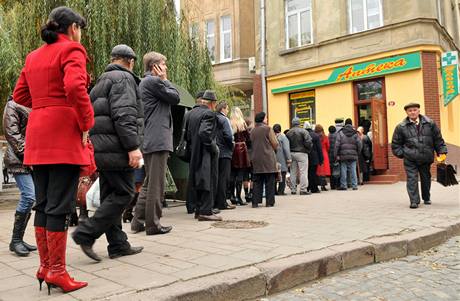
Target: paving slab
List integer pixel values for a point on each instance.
(364, 220)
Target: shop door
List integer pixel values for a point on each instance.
(379, 134)
(371, 114)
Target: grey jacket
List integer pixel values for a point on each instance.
(283, 152)
(158, 96)
(418, 146)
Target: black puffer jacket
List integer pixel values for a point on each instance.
(418, 145)
(348, 144)
(299, 140)
(119, 118)
(315, 157)
(15, 119)
(332, 139)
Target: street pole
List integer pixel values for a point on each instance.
(262, 55)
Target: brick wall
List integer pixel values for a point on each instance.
(257, 92)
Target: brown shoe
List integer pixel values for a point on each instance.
(210, 218)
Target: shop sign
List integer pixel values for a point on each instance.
(303, 106)
(450, 79)
(360, 71)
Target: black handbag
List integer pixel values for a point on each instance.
(446, 174)
(182, 150)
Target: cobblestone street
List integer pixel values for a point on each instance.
(431, 275)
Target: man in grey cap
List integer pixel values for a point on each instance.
(415, 140)
(158, 95)
(300, 143)
(117, 136)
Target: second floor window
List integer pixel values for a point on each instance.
(194, 30)
(225, 39)
(365, 14)
(298, 23)
(210, 40)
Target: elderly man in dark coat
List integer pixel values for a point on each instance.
(158, 95)
(315, 158)
(201, 137)
(415, 140)
(263, 157)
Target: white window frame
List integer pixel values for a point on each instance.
(213, 36)
(191, 33)
(366, 26)
(222, 42)
(297, 12)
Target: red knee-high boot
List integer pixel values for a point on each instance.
(57, 275)
(42, 245)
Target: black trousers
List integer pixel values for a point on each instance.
(281, 185)
(312, 178)
(412, 171)
(225, 169)
(190, 202)
(117, 191)
(262, 180)
(55, 192)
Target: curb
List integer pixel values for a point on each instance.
(260, 280)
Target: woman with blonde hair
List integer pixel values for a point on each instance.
(240, 159)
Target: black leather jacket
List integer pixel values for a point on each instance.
(299, 140)
(15, 118)
(418, 145)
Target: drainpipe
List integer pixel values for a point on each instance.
(262, 55)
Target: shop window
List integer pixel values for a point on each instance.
(302, 106)
(211, 40)
(226, 39)
(370, 90)
(365, 14)
(298, 23)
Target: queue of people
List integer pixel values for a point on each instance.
(125, 123)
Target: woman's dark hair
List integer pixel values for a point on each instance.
(332, 129)
(277, 128)
(59, 21)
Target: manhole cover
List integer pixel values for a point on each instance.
(239, 224)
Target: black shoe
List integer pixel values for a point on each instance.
(138, 227)
(164, 204)
(355, 188)
(270, 205)
(29, 247)
(427, 202)
(342, 189)
(73, 219)
(127, 252)
(19, 249)
(127, 216)
(88, 250)
(240, 202)
(293, 192)
(16, 246)
(229, 207)
(163, 230)
(316, 191)
(255, 205)
(305, 193)
(215, 211)
(323, 188)
(233, 200)
(413, 205)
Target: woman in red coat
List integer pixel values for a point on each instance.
(54, 84)
(323, 170)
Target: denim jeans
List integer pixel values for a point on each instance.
(348, 167)
(26, 187)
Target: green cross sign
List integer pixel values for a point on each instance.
(449, 58)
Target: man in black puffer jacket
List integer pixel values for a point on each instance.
(117, 136)
(347, 147)
(415, 140)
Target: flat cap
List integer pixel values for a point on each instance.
(295, 121)
(123, 50)
(411, 105)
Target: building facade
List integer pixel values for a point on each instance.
(227, 29)
(362, 59)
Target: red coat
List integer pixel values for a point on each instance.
(325, 169)
(54, 84)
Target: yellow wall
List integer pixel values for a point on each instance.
(450, 121)
(402, 88)
(334, 101)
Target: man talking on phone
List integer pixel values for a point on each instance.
(158, 95)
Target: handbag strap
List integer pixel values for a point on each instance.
(184, 126)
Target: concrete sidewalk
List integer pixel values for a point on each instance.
(296, 225)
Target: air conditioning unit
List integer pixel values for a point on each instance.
(252, 64)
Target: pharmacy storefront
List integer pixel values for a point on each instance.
(372, 91)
